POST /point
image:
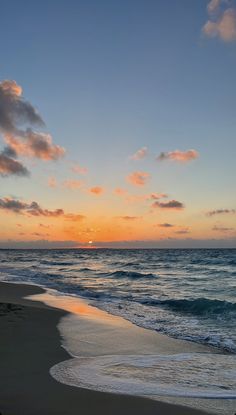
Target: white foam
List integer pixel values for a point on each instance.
(195, 375)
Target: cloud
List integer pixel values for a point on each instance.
(129, 218)
(213, 6)
(41, 225)
(183, 231)
(78, 169)
(171, 204)
(34, 209)
(138, 198)
(165, 225)
(34, 144)
(157, 196)
(138, 178)
(9, 166)
(222, 229)
(179, 156)
(15, 114)
(220, 212)
(14, 110)
(140, 154)
(97, 190)
(73, 184)
(40, 234)
(221, 23)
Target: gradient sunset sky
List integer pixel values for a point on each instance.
(117, 123)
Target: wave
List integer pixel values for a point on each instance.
(198, 306)
(130, 274)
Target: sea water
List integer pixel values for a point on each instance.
(186, 294)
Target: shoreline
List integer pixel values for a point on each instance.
(30, 346)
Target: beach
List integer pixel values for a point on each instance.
(30, 346)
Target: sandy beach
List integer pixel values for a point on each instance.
(30, 346)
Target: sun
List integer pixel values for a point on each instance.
(90, 242)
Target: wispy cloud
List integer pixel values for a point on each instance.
(140, 154)
(34, 209)
(96, 190)
(218, 228)
(182, 231)
(171, 204)
(179, 156)
(76, 168)
(221, 212)
(15, 114)
(129, 218)
(138, 178)
(165, 225)
(222, 21)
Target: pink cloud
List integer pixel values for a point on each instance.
(180, 156)
(96, 190)
(15, 113)
(222, 23)
(157, 196)
(79, 169)
(138, 178)
(34, 144)
(140, 154)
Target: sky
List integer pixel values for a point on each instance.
(117, 123)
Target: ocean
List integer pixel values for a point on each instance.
(187, 294)
(184, 293)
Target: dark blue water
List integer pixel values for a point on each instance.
(189, 294)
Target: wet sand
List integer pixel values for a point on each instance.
(30, 345)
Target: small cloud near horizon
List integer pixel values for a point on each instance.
(171, 204)
(179, 156)
(129, 218)
(220, 212)
(140, 154)
(165, 225)
(96, 190)
(219, 228)
(138, 178)
(34, 209)
(76, 168)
